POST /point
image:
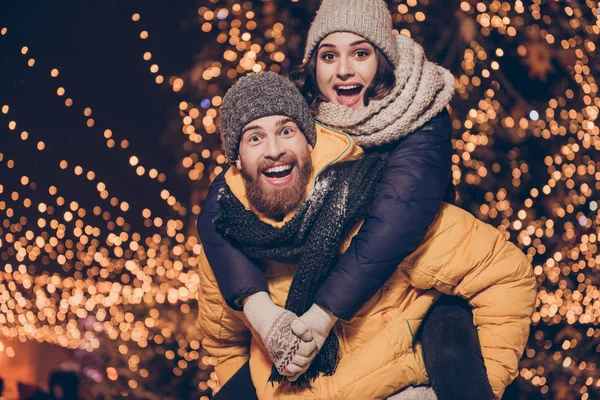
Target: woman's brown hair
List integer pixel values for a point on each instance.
(305, 78)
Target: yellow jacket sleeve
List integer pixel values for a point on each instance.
(498, 281)
(502, 292)
(225, 336)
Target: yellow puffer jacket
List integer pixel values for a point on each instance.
(460, 256)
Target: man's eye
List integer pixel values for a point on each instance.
(254, 138)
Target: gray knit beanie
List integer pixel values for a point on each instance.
(370, 19)
(261, 95)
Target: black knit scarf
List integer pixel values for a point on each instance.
(311, 239)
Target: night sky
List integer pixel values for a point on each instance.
(97, 50)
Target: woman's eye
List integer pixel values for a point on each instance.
(327, 57)
(362, 54)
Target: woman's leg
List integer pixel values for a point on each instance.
(452, 352)
(239, 387)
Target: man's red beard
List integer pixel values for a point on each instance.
(275, 202)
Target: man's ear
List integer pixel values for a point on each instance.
(238, 164)
(310, 148)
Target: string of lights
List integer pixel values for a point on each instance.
(90, 274)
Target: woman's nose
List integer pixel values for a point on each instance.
(345, 69)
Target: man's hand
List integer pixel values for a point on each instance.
(315, 324)
(273, 325)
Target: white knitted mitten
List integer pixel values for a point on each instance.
(314, 324)
(273, 325)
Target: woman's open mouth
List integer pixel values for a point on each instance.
(348, 94)
(279, 175)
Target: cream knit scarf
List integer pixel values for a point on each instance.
(422, 90)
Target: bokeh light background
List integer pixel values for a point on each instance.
(109, 141)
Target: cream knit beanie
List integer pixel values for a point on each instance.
(370, 19)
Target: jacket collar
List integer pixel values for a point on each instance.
(332, 147)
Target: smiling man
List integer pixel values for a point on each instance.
(277, 136)
(269, 132)
(275, 163)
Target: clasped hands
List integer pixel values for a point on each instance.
(292, 342)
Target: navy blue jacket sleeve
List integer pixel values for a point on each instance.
(406, 202)
(236, 274)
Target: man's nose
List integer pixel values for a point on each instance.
(274, 149)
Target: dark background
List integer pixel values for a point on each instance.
(96, 47)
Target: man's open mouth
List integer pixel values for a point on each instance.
(278, 174)
(348, 94)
